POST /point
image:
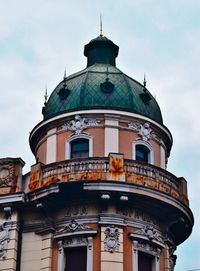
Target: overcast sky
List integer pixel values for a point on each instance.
(40, 39)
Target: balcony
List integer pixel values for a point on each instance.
(114, 169)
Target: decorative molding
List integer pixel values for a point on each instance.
(111, 241)
(110, 219)
(4, 239)
(70, 242)
(75, 242)
(123, 198)
(151, 233)
(147, 248)
(72, 227)
(144, 130)
(78, 124)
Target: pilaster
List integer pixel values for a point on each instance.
(111, 248)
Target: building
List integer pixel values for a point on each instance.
(99, 197)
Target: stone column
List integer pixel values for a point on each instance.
(90, 254)
(51, 146)
(135, 256)
(61, 257)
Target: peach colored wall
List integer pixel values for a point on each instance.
(98, 141)
(41, 152)
(126, 137)
(98, 144)
(156, 149)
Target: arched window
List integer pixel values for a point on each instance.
(79, 146)
(142, 151)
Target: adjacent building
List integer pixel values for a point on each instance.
(99, 197)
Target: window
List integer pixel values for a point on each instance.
(145, 261)
(75, 247)
(145, 255)
(80, 148)
(142, 153)
(76, 259)
(76, 253)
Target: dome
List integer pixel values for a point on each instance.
(101, 86)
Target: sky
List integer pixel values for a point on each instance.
(40, 39)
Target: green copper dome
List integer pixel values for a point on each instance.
(101, 86)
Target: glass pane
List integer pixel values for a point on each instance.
(76, 259)
(80, 148)
(142, 153)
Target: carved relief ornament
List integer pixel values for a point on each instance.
(78, 124)
(73, 226)
(143, 130)
(151, 233)
(111, 241)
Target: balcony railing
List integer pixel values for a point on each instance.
(97, 169)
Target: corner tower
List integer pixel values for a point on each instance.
(99, 197)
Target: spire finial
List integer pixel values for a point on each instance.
(101, 29)
(45, 96)
(144, 82)
(64, 77)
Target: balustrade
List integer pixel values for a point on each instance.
(101, 165)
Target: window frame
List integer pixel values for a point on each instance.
(74, 137)
(146, 145)
(137, 249)
(76, 240)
